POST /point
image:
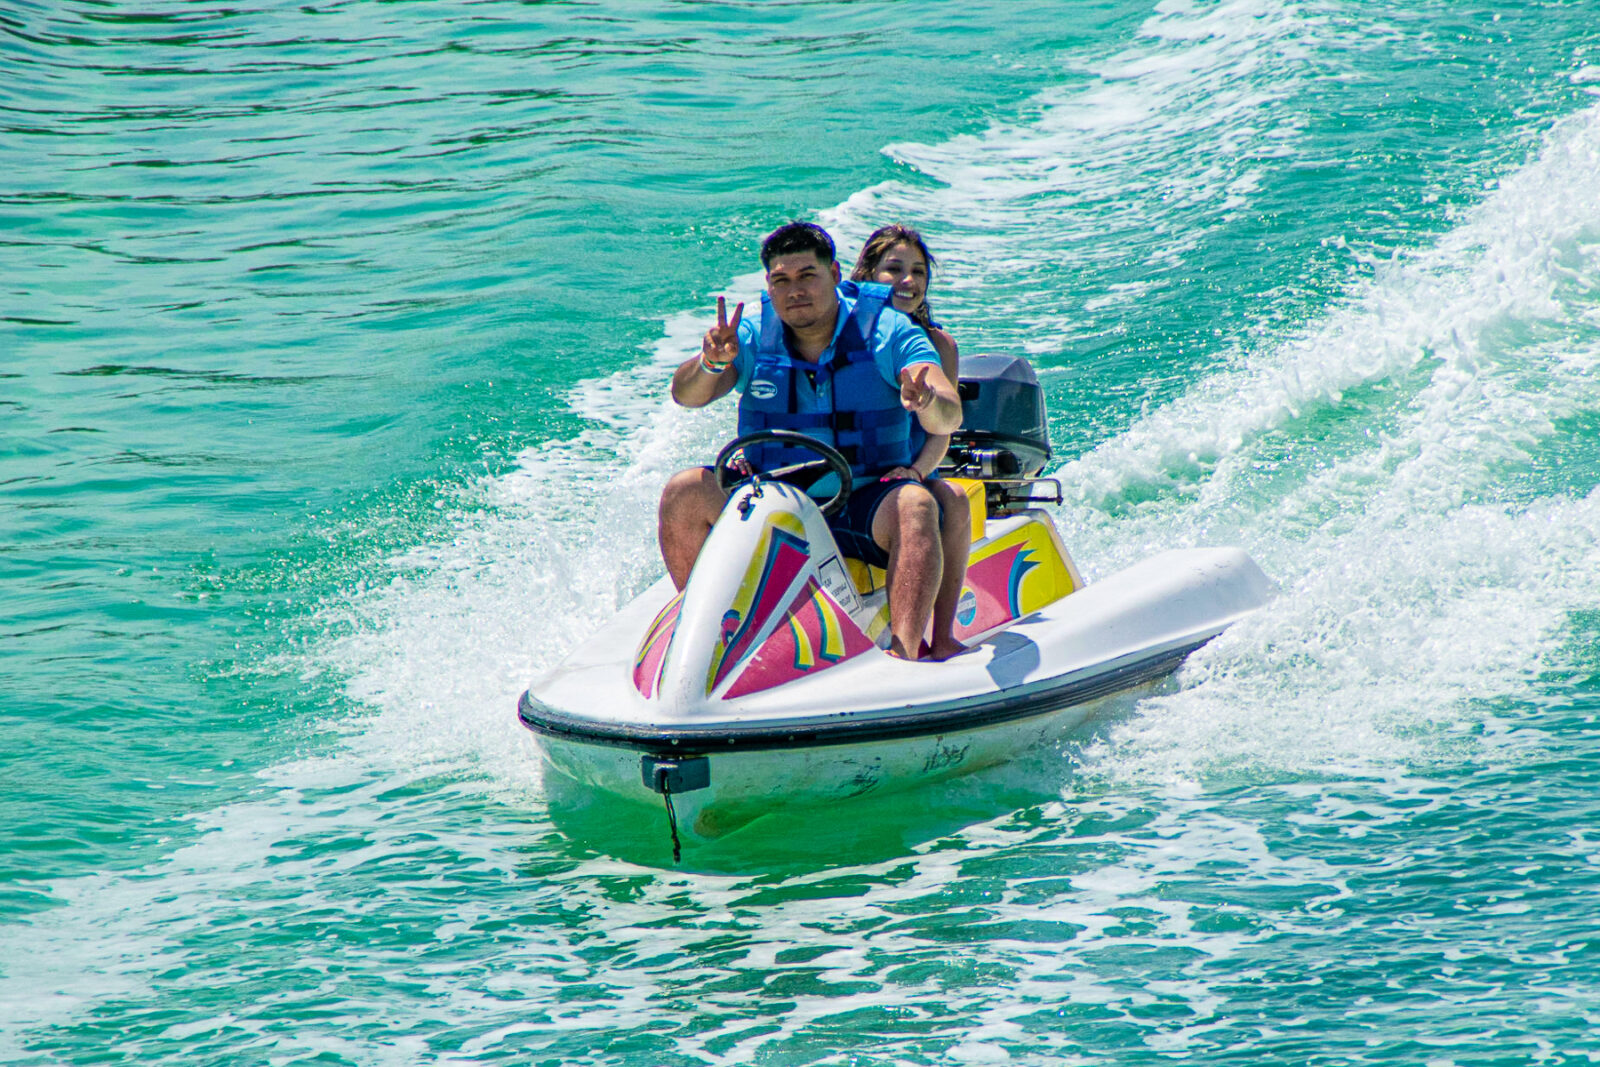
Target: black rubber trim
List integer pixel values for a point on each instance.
(855, 729)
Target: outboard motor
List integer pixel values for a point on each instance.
(1004, 440)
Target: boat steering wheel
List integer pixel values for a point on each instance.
(801, 475)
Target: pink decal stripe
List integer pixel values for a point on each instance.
(653, 649)
(815, 635)
(787, 556)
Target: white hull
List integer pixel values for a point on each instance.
(746, 785)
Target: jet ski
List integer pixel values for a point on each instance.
(766, 681)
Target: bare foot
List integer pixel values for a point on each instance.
(944, 648)
(898, 651)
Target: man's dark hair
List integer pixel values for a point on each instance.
(797, 237)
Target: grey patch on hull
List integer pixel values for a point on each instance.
(945, 757)
(865, 780)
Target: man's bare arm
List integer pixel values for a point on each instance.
(699, 381)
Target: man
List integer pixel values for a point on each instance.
(817, 354)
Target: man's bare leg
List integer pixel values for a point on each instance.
(690, 504)
(955, 539)
(907, 527)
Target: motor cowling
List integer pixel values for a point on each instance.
(1004, 432)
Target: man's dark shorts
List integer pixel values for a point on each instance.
(852, 524)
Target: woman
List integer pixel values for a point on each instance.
(897, 255)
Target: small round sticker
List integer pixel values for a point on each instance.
(967, 607)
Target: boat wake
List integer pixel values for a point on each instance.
(1412, 470)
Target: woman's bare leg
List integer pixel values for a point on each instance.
(955, 536)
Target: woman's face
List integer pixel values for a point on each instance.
(904, 267)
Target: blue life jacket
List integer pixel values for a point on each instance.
(844, 402)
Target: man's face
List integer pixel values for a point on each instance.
(801, 288)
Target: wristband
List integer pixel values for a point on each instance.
(711, 368)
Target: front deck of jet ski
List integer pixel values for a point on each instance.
(1114, 634)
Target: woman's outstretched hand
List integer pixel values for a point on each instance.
(915, 392)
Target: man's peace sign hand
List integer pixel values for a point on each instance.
(915, 392)
(721, 343)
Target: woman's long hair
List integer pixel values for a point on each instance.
(878, 245)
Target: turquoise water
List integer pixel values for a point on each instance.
(333, 344)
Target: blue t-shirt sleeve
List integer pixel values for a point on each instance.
(901, 344)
